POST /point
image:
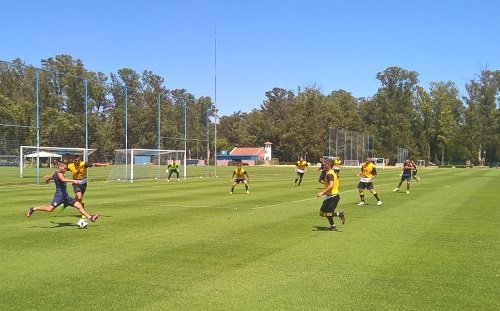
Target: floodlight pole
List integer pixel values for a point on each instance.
(208, 141)
(329, 140)
(159, 118)
(37, 131)
(126, 131)
(85, 155)
(159, 138)
(336, 142)
(185, 136)
(345, 144)
(215, 100)
(351, 145)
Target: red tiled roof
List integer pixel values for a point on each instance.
(247, 151)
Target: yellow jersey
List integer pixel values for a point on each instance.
(368, 171)
(336, 183)
(239, 173)
(79, 172)
(301, 165)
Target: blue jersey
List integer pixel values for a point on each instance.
(61, 188)
(407, 168)
(61, 195)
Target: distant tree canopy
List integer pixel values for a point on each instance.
(436, 125)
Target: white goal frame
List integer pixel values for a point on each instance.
(64, 150)
(351, 163)
(151, 151)
(379, 162)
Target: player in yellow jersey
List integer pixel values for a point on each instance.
(300, 168)
(79, 170)
(173, 168)
(337, 164)
(367, 174)
(332, 197)
(241, 176)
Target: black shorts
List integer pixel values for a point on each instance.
(329, 205)
(365, 185)
(80, 188)
(406, 178)
(238, 180)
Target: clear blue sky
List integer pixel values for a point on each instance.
(260, 44)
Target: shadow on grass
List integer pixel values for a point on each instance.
(327, 229)
(57, 225)
(80, 216)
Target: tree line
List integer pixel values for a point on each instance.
(437, 124)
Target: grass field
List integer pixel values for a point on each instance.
(190, 245)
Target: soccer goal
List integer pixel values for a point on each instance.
(35, 157)
(351, 163)
(330, 157)
(379, 162)
(135, 164)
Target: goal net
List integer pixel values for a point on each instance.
(135, 164)
(31, 158)
(379, 162)
(351, 163)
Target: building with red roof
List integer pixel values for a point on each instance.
(246, 155)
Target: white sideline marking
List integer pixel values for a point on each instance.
(291, 202)
(277, 204)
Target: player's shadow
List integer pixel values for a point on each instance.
(62, 224)
(80, 216)
(318, 228)
(57, 225)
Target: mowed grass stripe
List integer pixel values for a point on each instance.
(426, 257)
(178, 257)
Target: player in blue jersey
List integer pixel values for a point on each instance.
(405, 176)
(61, 196)
(322, 169)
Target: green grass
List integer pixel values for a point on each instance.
(190, 245)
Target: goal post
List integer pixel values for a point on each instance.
(351, 163)
(135, 164)
(29, 156)
(379, 162)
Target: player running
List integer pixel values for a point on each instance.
(61, 196)
(332, 197)
(79, 170)
(300, 168)
(367, 174)
(405, 176)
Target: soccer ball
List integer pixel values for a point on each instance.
(82, 224)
